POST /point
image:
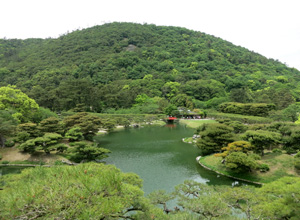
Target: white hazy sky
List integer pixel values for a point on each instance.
(269, 27)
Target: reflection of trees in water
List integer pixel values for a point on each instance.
(217, 179)
(171, 125)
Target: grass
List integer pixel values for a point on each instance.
(280, 165)
(242, 118)
(188, 140)
(195, 123)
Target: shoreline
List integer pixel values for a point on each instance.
(232, 177)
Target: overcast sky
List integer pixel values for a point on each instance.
(269, 27)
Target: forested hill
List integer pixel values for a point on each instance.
(105, 68)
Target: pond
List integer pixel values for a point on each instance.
(158, 155)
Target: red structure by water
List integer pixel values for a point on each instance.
(171, 118)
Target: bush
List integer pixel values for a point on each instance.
(277, 150)
(22, 136)
(297, 163)
(5, 162)
(297, 155)
(242, 118)
(9, 143)
(291, 151)
(264, 167)
(0, 157)
(255, 109)
(255, 156)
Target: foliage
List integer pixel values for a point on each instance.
(264, 167)
(74, 134)
(22, 136)
(238, 127)
(237, 146)
(170, 110)
(201, 199)
(42, 114)
(108, 66)
(12, 98)
(51, 125)
(255, 109)
(213, 137)
(7, 126)
(241, 118)
(82, 151)
(291, 140)
(108, 124)
(161, 197)
(282, 199)
(291, 112)
(9, 143)
(28, 129)
(276, 150)
(297, 163)
(297, 155)
(89, 124)
(262, 139)
(47, 143)
(45, 193)
(240, 162)
(75, 192)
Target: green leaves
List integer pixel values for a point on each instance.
(82, 151)
(262, 139)
(74, 134)
(7, 126)
(12, 98)
(46, 143)
(86, 191)
(213, 137)
(240, 162)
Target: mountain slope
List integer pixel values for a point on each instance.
(108, 66)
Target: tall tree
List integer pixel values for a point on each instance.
(213, 137)
(12, 98)
(7, 126)
(88, 124)
(261, 139)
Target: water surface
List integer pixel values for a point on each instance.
(158, 155)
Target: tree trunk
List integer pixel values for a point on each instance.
(2, 141)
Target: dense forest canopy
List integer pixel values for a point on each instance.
(108, 67)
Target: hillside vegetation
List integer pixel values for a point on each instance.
(124, 65)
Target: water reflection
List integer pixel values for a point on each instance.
(158, 155)
(170, 125)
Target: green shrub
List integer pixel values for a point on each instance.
(9, 143)
(264, 167)
(291, 151)
(255, 109)
(277, 150)
(297, 155)
(5, 162)
(297, 163)
(0, 157)
(242, 118)
(22, 136)
(255, 156)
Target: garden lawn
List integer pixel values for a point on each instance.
(280, 165)
(195, 123)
